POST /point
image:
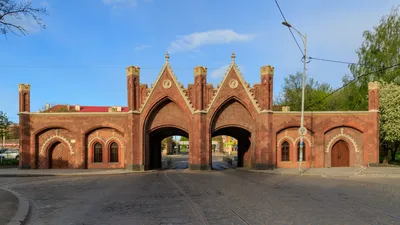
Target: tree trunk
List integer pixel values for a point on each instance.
(386, 155)
(394, 151)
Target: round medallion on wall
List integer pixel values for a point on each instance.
(233, 83)
(167, 84)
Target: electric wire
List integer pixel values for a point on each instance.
(283, 16)
(332, 61)
(353, 80)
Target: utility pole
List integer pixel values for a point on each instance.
(302, 129)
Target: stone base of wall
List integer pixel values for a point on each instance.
(264, 166)
(199, 167)
(135, 167)
(23, 167)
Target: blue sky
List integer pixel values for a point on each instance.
(82, 55)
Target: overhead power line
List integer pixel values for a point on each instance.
(333, 61)
(283, 16)
(355, 79)
(94, 66)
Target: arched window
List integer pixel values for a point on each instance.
(114, 152)
(98, 152)
(285, 151)
(298, 152)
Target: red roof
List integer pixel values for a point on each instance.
(99, 109)
(83, 108)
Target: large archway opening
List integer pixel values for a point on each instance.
(236, 148)
(161, 149)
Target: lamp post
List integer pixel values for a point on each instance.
(302, 130)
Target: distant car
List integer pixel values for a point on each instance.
(9, 154)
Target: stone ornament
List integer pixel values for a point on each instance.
(167, 84)
(338, 136)
(233, 83)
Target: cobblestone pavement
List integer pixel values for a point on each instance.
(227, 197)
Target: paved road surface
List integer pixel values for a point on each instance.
(180, 162)
(8, 206)
(224, 197)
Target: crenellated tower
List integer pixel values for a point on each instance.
(133, 76)
(24, 97)
(266, 87)
(373, 96)
(200, 88)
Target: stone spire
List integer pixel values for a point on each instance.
(233, 57)
(166, 57)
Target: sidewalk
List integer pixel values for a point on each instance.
(388, 172)
(14, 172)
(8, 207)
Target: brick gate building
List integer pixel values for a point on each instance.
(129, 137)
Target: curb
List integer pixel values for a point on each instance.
(71, 174)
(371, 175)
(22, 214)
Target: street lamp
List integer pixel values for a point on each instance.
(302, 130)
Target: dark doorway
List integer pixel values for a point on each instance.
(153, 154)
(340, 156)
(242, 147)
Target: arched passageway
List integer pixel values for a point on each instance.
(244, 141)
(153, 158)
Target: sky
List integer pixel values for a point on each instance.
(81, 56)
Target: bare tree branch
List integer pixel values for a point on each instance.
(9, 9)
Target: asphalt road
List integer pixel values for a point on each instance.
(217, 197)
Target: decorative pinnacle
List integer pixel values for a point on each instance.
(373, 85)
(24, 87)
(233, 57)
(166, 57)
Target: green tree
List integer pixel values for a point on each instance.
(389, 106)
(4, 125)
(13, 132)
(380, 50)
(184, 138)
(13, 12)
(314, 91)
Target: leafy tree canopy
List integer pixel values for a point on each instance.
(291, 93)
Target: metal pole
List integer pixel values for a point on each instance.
(302, 105)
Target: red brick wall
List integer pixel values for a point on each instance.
(325, 129)
(74, 129)
(199, 110)
(105, 136)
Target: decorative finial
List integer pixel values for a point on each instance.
(166, 57)
(233, 57)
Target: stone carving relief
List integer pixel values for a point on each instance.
(338, 136)
(233, 83)
(167, 84)
(56, 136)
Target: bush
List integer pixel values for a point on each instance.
(7, 162)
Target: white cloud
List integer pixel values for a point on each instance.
(120, 3)
(220, 72)
(195, 40)
(142, 47)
